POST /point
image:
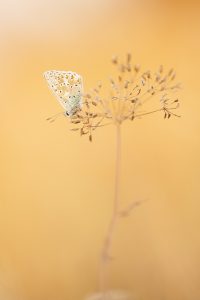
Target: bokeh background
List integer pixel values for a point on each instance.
(57, 188)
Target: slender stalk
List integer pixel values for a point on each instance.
(105, 254)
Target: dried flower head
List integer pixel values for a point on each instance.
(127, 97)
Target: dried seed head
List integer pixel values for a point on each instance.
(148, 75)
(137, 68)
(128, 58)
(160, 69)
(88, 96)
(122, 68)
(75, 122)
(158, 77)
(74, 129)
(134, 100)
(174, 76)
(114, 60)
(170, 72)
(162, 81)
(127, 95)
(112, 81)
(126, 84)
(99, 85)
(129, 68)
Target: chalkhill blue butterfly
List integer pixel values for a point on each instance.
(67, 88)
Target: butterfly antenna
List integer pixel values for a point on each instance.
(54, 117)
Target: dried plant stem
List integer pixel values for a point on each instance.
(105, 254)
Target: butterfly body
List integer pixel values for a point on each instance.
(68, 89)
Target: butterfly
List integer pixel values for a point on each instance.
(67, 87)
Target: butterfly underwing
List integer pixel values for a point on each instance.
(67, 86)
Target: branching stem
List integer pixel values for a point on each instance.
(105, 254)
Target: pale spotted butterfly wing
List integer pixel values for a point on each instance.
(68, 89)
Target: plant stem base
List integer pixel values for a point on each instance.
(111, 295)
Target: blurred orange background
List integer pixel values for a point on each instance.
(57, 188)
